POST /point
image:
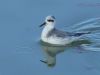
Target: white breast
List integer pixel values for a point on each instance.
(45, 32)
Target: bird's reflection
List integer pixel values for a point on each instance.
(51, 51)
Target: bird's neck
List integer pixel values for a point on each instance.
(47, 29)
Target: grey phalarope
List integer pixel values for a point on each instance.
(52, 35)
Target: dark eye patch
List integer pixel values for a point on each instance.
(50, 20)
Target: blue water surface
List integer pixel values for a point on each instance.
(20, 50)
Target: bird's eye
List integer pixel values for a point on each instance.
(50, 20)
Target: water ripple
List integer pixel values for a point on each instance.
(91, 25)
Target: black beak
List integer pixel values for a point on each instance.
(43, 61)
(43, 24)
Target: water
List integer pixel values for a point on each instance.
(22, 53)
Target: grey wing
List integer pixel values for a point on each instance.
(63, 34)
(80, 33)
(59, 33)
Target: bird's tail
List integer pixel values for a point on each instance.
(81, 33)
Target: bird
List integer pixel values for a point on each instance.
(52, 35)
